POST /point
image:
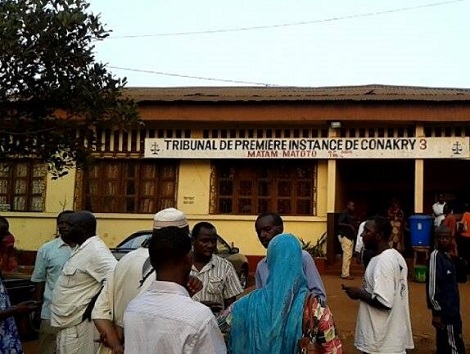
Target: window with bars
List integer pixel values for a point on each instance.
(22, 185)
(129, 186)
(253, 187)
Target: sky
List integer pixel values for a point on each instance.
(307, 43)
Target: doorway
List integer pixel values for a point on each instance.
(372, 184)
(449, 177)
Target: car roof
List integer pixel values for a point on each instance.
(144, 232)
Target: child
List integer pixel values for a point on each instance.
(443, 295)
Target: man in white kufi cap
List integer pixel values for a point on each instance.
(170, 217)
(130, 278)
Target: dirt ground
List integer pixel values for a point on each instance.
(345, 312)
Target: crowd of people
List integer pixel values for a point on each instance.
(379, 244)
(350, 229)
(175, 295)
(172, 294)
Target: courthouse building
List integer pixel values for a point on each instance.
(225, 154)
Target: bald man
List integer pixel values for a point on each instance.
(78, 285)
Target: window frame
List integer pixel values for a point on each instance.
(270, 174)
(121, 201)
(11, 179)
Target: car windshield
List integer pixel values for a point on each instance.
(222, 247)
(136, 242)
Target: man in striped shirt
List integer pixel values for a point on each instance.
(220, 281)
(443, 296)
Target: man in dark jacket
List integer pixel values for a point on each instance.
(346, 236)
(443, 296)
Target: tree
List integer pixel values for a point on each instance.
(54, 96)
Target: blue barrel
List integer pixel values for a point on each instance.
(420, 228)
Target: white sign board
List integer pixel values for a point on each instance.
(308, 148)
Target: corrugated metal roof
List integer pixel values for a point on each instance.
(259, 94)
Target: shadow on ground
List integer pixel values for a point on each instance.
(345, 312)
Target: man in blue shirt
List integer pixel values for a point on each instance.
(50, 260)
(269, 225)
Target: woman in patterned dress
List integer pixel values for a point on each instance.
(397, 219)
(269, 320)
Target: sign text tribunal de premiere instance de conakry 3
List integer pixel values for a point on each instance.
(319, 148)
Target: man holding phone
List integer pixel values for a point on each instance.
(383, 321)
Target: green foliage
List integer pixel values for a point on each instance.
(316, 250)
(53, 95)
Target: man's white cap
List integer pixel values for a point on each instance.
(170, 217)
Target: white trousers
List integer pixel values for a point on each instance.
(79, 339)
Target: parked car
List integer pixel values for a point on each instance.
(224, 250)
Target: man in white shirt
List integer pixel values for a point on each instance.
(383, 322)
(359, 243)
(133, 274)
(363, 255)
(164, 318)
(438, 210)
(218, 276)
(78, 284)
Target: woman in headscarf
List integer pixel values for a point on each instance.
(269, 320)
